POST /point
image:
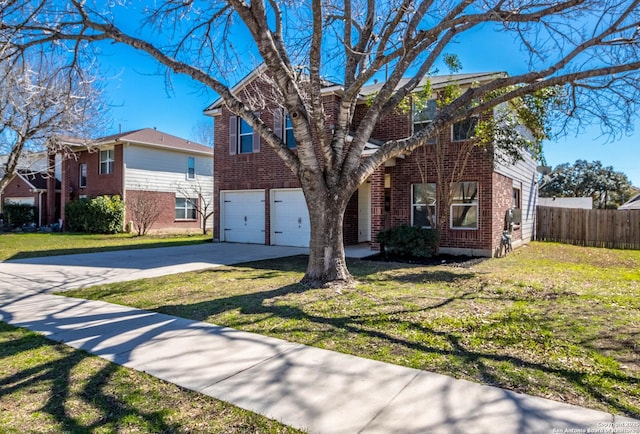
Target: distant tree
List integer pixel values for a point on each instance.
(144, 208)
(608, 187)
(590, 48)
(203, 132)
(39, 101)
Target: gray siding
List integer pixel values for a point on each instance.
(524, 176)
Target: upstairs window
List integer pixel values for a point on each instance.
(289, 139)
(191, 168)
(464, 206)
(106, 161)
(82, 175)
(423, 205)
(464, 130)
(282, 128)
(242, 138)
(423, 115)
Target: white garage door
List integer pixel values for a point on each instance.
(242, 216)
(289, 218)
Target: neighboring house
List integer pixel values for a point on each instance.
(260, 201)
(174, 173)
(31, 188)
(567, 202)
(633, 203)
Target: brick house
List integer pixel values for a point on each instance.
(169, 170)
(31, 188)
(260, 201)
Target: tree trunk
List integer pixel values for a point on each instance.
(327, 265)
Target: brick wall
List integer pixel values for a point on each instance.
(97, 184)
(166, 222)
(479, 169)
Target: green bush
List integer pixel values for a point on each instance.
(409, 241)
(75, 215)
(19, 214)
(101, 215)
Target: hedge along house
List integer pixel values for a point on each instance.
(260, 201)
(31, 188)
(172, 174)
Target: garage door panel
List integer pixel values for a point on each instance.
(290, 219)
(243, 216)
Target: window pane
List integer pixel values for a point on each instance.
(465, 192)
(246, 144)
(290, 139)
(423, 116)
(465, 216)
(245, 128)
(424, 193)
(426, 112)
(83, 175)
(465, 129)
(191, 167)
(421, 215)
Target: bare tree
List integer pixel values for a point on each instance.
(203, 132)
(201, 198)
(591, 47)
(39, 102)
(144, 209)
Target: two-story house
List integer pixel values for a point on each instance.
(174, 173)
(260, 201)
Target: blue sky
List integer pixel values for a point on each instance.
(137, 91)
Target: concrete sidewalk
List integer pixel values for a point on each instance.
(316, 390)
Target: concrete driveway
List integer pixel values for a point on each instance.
(56, 273)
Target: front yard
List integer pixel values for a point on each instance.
(29, 245)
(550, 320)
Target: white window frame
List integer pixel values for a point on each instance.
(191, 167)
(107, 158)
(242, 134)
(189, 204)
(82, 175)
(415, 205)
(474, 203)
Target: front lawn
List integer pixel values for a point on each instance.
(29, 245)
(46, 387)
(550, 320)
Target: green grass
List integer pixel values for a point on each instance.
(29, 245)
(47, 387)
(551, 320)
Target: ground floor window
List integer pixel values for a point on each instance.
(185, 208)
(423, 205)
(464, 206)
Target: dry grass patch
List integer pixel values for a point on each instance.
(549, 320)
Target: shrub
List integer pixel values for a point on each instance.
(19, 214)
(101, 215)
(75, 215)
(409, 241)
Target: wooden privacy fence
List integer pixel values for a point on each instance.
(616, 229)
